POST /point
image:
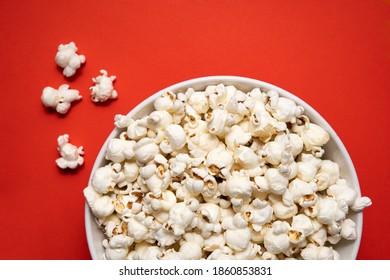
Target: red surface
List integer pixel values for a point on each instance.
(333, 54)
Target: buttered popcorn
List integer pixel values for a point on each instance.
(222, 174)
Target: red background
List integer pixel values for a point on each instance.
(333, 54)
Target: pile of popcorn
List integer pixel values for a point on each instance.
(221, 174)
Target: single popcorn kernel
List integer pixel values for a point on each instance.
(222, 174)
(71, 156)
(103, 89)
(68, 59)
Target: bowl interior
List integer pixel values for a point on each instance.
(335, 151)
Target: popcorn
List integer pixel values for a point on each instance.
(341, 191)
(276, 240)
(246, 158)
(214, 242)
(120, 241)
(283, 211)
(224, 253)
(219, 159)
(137, 226)
(330, 211)
(199, 102)
(157, 120)
(239, 188)
(237, 234)
(219, 121)
(103, 88)
(191, 248)
(165, 102)
(105, 178)
(208, 221)
(119, 150)
(135, 130)
(318, 237)
(348, 229)
(145, 252)
(121, 121)
(268, 256)
(273, 152)
(294, 141)
(361, 203)
(103, 207)
(283, 109)
(219, 95)
(176, 136)
(221, 174)
(303, 193)
(236, 137)
(91, 195)
(306, 171)
(277, 182)
(302, 223)
(313, 252)
(71, 156)
(114, 253)
(249, 253)
(180, 217)
(170, 254)
(327, 175)
(68, 59)
(258, 213)
(131, 171)
(145, 150)
(60, 99)
(313, 137)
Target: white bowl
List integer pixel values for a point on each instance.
(335, 151)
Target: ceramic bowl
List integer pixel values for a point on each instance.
(334, 150)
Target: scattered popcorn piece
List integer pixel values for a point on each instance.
(103, 88)
(60, 99)
(71, 156)
(68, 59)
(221, 174)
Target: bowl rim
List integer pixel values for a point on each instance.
(214, 80)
